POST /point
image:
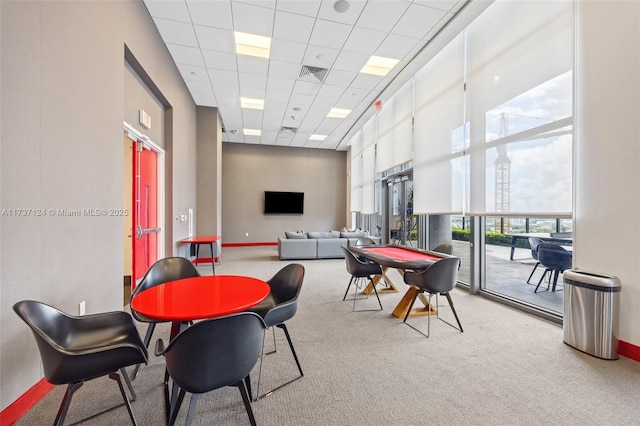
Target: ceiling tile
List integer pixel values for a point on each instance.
(284, 69)
(253, 80)
(174, 10)
(251, 118)
(289, 26)
(190, 72)
(417, 21)
(364, 40)
(251, 65)
(271, 4)
(223, 77)
(278, 84)
(349, 17)
(268, 137)
(204, 99)
(329, 34)
(215, 39)
(287, 51)
(382, 15)
(220, 60)
(340, 78)
(319, 56)
(186, 55)
(252, 19)
(252, 92)
(331, 91)
(307, 7)
(350, 61)
(306, 87)
(199, 86)
(175, 32)
(224, 90)
(211, 13)
(396, 46)
(444, 5)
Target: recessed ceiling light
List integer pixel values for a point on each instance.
(341, 6)
(338, 113)
(252, 45)
(252, 132)
(317, 137)
(379, 65)
(252, 103)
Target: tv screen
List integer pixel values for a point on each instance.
(283, 202)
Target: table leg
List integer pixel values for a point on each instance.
(213, 258)
(513, 247)
(376, 279)
(403, 306)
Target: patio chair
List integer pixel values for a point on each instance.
(555, 259)
(533, 243)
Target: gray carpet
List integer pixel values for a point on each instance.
(367, 368)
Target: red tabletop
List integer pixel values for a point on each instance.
(400, 257)
(200, 297)
(201, 239)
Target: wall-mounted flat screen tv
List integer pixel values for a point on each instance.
(276, 202)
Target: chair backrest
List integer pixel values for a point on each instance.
(215, 353)
(444, 248)
(554, 256)
(287, 283)
(440, 277)
(357, 268)
(364, 241)
(534, 243)
(165, 270)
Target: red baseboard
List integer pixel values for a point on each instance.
(629, 350)
(269, 243)
(15, 410)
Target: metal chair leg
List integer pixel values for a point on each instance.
(532, 272)
(146, 341)
(66, 400)
(115, 376)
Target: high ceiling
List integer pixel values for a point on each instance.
(317, 51)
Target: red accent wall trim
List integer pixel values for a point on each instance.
(249, 244)
(15, 410)
(629, 350)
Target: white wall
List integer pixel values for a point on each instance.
(607, 196)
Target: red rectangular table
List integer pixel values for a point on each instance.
(211, 240)
(400, 258)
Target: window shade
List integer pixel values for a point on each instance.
(356, 172)
(395, 136)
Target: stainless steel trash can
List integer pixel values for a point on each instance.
(591, 312)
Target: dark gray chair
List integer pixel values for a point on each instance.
(439, 278)
(164, 270)
(280, 306)
(364, 241)
(77, 349)
(533, 243)
(213, 354)
(555, 259)
(444, 248)
(361, 271)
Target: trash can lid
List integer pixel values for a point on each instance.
(593, 280)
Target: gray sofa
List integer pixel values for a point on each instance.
(317, 245)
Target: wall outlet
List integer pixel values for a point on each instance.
(81, 308)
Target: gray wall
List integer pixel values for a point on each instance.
(249, 170)
(64, 87)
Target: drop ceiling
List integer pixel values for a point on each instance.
(314, 63)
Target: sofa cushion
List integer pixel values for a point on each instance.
(356, 234)
(295, 235)
(323, 235)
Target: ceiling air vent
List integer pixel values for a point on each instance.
(284, 129)
(307, 72)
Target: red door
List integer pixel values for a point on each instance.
(145, 210)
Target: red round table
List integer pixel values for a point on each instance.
(200, 297)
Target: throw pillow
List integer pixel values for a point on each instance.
(295, 235)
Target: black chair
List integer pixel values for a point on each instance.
(534, 243)
(360, 270)
(364, 241)
(164, 270)
(212, 354)
(439, 278)
(555, 259)
(280, 305)
(444, 248)
(77, 349)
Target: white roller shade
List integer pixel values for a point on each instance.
(356, 172)
(395, 136)
(368, 166)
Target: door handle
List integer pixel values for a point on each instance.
(140, 231)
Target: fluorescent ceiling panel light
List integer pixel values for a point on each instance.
(379, 65)
(252, 45)
(317, 137)
(252, 103)
(338, 113)
(252, 132)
